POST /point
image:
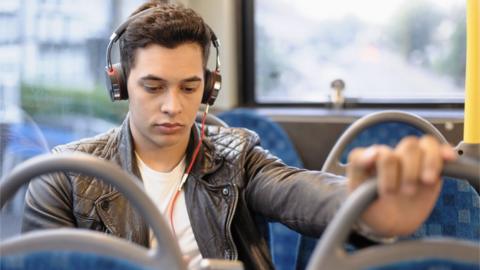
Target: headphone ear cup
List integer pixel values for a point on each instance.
(116, 82)
(213, 83)
(207, 86)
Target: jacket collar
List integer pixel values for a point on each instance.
(126, 153)
(207, 160)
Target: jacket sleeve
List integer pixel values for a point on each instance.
(48, 203)
(304, 200)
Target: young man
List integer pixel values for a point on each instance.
(164, 54)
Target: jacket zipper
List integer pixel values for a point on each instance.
(234, 255)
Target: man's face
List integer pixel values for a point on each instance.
(165, 88)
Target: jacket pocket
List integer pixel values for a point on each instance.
(86, 215)
(89, 223)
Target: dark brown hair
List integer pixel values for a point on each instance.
(168, 25)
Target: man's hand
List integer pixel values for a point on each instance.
(409, 182)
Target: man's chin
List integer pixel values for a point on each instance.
(167, 141)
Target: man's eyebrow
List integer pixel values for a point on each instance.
(150, 77)
(192, 79)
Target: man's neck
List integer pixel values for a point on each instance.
(161, 159)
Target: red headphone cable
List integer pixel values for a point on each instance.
(189, 169)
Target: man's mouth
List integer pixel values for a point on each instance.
(168, 127)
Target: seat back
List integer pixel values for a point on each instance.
(329, 253)
(62, 260)
(457, 211)
(282, 240)
(39, 247)
(384, 127)
(272, 136)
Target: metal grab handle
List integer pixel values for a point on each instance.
(329, 252)
(332, 163)
(110, 173)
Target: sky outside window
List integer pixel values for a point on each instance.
(398, 49)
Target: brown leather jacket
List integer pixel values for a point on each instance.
(233, 181)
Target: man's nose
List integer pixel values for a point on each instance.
(171, 103)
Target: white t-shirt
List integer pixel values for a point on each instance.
(161, 187)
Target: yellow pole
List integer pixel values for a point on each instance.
(471, 132)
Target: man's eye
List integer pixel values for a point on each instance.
(149, 88)
(190, 88)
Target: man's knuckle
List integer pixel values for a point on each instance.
(355, 154)
(428, 140)
(388, 159)
(410, 141)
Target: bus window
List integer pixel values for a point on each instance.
(385, 51)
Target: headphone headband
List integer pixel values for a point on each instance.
(116, 81)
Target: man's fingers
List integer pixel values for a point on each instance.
(360, 164)
(413, 162)
(432, 159)
(387, 171)
(410, 156)
(448, 152)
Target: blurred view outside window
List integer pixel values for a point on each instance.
(52, 89)
(397, 51)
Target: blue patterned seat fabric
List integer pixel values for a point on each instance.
(430, 264)
(389, 133)
(456, 213)
(65, 260)
(273, 138)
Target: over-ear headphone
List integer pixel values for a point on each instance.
(117, 82)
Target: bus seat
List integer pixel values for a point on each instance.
(389, 133)
(282, 240)
(272, 135)
(19, 141)
(436, 252)
(429, 264)
(70, 248)
(62, 260)
(457, 211)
